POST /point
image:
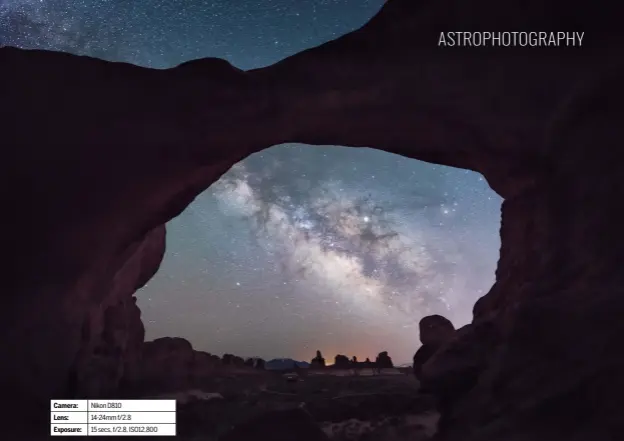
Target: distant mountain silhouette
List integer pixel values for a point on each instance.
(404, 365)
(284, 363)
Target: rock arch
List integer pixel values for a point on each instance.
(87, 187)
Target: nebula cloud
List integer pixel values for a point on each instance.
(296, 248)
(63, 26)
(342, 240)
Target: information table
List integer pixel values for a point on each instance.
(113, 417)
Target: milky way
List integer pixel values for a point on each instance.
(296, 248)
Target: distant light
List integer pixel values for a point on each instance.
(366, 218)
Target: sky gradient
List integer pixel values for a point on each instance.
(296, 248)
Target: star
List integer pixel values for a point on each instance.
(296, 247)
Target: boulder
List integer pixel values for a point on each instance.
(435, 331)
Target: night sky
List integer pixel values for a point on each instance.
(296, 248)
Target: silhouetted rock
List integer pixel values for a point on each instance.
(167, 365)
(204, 363)
(383, 360)
(454, 368)
(422, 355)
(435, 331)
(318, 361)
(342, 362)
(287, 425)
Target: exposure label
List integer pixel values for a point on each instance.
(113, 418)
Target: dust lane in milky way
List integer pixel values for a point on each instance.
(297, 248)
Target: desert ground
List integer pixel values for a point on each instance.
(345, 406)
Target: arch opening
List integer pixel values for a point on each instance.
(299, 248)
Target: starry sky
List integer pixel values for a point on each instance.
(296, 248)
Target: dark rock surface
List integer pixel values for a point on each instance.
(168, 365)
(111, 333)
(434, 331)
(383, 360)
(454, 368)
(87, 186)
(318, 361)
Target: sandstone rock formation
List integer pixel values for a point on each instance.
(342, 362)
(455, 367)
(168, 365)
(232, 360)
(87, 186)
(435, 331)
(318, 361)
(383, 360)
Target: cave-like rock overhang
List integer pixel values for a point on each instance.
(98, 156)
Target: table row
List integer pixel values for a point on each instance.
(112, 417)
(113, 405)
(113, 430)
